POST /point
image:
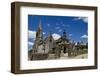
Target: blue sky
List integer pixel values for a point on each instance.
(75, 27)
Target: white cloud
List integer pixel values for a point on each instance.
(84, 19)
(48, 25)
(56, 36)
(57, 27)
(32, 34)
(44, 33)
(30, 43)
(84, 36)
(60, 30)
(70, 34)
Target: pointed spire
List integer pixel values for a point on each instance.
(39, 33)
(40, 25)
(50, 33)
(50, 36)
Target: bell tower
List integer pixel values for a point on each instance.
(39, 34)
(38, 45)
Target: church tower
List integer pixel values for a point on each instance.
(38, 45)
(39, 33)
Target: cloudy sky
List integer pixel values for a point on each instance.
(75, 27)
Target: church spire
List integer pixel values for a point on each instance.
(39, 33)
(50, 33)
(40, 25)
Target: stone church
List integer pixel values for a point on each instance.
(43, 47)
